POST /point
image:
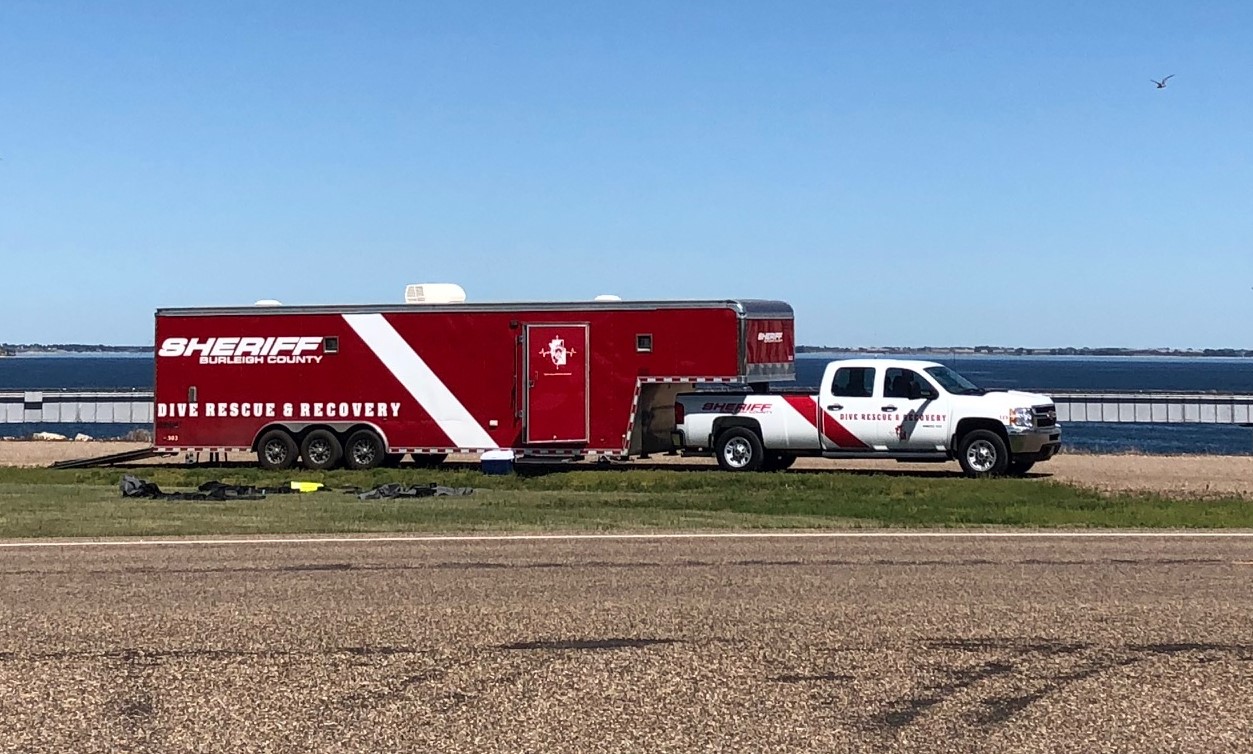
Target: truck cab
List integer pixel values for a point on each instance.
(877, 408)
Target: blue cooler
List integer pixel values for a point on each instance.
(497, 462)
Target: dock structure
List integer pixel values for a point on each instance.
(1124, 407)
(76, 407)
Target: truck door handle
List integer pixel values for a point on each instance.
(835, 407)
(888, 408)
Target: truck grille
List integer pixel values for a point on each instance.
(1045, 416)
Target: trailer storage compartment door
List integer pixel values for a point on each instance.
(556, 385)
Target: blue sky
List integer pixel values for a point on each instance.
(902, 173)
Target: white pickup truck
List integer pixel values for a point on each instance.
(873, 408)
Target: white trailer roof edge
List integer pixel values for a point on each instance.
(746, 308)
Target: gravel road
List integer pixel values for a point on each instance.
(957, 644)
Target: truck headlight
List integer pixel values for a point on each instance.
(1022, 417)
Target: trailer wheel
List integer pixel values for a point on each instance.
(276, 450)
(982, 453)
(428, 460)
(321, 450)
(364, 450)
(739, 449)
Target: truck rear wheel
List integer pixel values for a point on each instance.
(739, 449)
(321, 450)
(276, 450)
(364, 450)
(982, 453)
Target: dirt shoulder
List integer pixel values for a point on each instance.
(1204, 476)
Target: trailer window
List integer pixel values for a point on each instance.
(330, 344)
(644, 343)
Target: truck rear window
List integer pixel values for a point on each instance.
(853, 382)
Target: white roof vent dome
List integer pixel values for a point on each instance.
(607, 297)
(268, 302)
(434, 293)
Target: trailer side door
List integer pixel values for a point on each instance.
(557, 406)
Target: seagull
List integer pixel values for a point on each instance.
(1162, 84)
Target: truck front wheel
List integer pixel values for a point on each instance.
(739, 449)
(982, 453)
(276, 450)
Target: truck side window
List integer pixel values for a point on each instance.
(897, 384)
(853, 382)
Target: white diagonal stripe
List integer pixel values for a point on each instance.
(423, 384)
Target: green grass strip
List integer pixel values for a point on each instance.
(88, 503)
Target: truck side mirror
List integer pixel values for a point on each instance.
(917, 391)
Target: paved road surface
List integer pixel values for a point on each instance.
(841, 644)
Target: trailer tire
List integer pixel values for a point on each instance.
(276, 450)
(739, 449)
(428, 460)
(982, 453)
(364, 450)
(321, 450)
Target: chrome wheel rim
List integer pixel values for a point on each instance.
(319, 452)
(737, 453)
(981, 456)
(275, 452)
(363, 453)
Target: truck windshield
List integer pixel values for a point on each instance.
(954, 382)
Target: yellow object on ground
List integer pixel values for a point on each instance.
(306, 486)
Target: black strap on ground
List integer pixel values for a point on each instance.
(133, 486)
(214, 490)
(391, 491)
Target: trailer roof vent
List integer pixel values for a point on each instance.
(607, 297)
(434, 293)
(268, 302)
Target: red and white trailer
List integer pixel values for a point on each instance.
(362, 385)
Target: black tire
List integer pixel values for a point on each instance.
(364, 449)
(428, 460)
(982, 453)
(778, 462)
(276, 450)
(739, 449)
(321, 450)
(1020, 468)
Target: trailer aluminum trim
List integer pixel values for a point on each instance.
(747, 308)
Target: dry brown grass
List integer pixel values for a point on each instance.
(1194, 476)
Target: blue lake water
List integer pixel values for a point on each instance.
(1039, 373)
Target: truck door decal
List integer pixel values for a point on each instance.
(422, 383)
(836, 433)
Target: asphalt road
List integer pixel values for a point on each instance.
(788, 645)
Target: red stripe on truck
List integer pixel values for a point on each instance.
(836, 433)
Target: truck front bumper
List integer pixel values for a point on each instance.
(1040, 443)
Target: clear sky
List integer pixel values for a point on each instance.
(903, 173)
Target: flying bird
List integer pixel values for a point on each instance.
(1162, 84)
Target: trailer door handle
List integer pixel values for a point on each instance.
(835, 407)
(888, 408)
